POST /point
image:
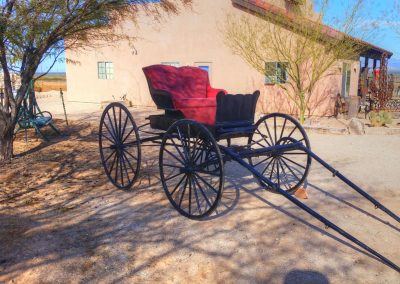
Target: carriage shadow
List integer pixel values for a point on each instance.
(234, 185)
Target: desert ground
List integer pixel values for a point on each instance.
(61, 221)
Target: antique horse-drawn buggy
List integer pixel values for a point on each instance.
(203, 128)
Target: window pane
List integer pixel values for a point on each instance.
(204, 67)
(346, 77)
(270, 73)
(281, 72)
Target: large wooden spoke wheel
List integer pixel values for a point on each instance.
(119, 146)
(191, 169)
(287, 169)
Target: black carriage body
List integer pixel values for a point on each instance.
(234, 116)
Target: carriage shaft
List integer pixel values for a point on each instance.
(350, 183)
(300, 204)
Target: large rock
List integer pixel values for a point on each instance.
(356, 126)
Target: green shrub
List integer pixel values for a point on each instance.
(381, 118)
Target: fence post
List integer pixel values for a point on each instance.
(63, 103)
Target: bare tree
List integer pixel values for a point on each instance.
(305, 50)
(31, 31)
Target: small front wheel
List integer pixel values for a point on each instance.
(119, 146)
(191, 169)
(287, 169)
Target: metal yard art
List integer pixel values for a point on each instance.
(195, 137)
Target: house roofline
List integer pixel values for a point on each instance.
(260, 6)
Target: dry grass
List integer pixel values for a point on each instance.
(51, 82)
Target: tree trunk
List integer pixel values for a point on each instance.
(6, 140)
(6, 147)
(302, 109)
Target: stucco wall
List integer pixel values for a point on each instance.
(191, 37)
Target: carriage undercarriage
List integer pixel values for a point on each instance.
(192, 157)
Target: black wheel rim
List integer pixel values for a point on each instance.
(191, 169)
(289, 169)
(119, 146)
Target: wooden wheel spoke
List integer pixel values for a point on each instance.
(184, 146)
(115, 123)
(269, 157)
(172, 177)
(196, 195)
(116, 169)
(112, 164)
(110, 131)
(283, 128)
(202, 191)
(292, 131)
(275, 129)
(206, 183)
(264, 137)
(183, 192)
(286, 177)
(129, 163)
(272, 169)
(290, 160)
(120, 170)
(177, 186)
(190, 195)
(127, 152)
(277, 172)
(172, 166)
(179, 151)
(192, 156)
(290, 169)
(267, 166)
(109, 139)
(112, 127)
(109, 156)
(175, 157)
(129, 133)
(124, 128)
(269, 133)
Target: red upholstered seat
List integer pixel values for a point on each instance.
(188, 88)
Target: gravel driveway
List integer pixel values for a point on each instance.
(62, 222)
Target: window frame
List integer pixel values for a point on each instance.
(105, 70)
(346, 79)
(171, 63)
(276, 79)
(205, 64)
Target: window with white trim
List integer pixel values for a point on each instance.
(105, 70)
(171, 63)
(206, 66)
(276, 73)
(346, 78)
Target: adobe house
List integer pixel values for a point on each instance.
(193, 38)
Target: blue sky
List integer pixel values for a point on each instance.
(378, 23)
(373, 15)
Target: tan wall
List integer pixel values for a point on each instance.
(191, 37)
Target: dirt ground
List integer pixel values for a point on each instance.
(61, 221)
